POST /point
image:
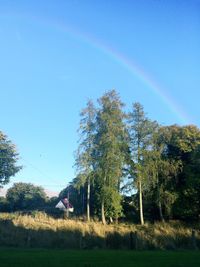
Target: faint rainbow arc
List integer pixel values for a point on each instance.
(130, 65)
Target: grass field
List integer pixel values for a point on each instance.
(67, 258)
(42, 231)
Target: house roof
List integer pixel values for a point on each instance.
(64, 204)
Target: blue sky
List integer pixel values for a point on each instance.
(54, 55)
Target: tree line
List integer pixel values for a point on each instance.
(125, 159)
(127, 167)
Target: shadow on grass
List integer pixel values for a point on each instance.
(19, 236)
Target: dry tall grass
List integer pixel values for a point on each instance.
(42, 230)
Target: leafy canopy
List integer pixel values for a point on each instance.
(23, 196)
(8, 160)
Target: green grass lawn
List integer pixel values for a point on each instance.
(67, 258)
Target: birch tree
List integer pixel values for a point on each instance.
(141, 129)
(84, 156)
(109, 157)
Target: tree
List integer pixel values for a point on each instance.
(26, 196)
(8, 160)
(191, 189)
(4, 205)
(183, 144)
(84, 157)
(141, 130)
(160, 172)
(109, 154)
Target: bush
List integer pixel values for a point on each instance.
(4, 205)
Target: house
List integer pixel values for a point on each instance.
(64, 204)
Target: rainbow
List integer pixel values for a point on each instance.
(118, 57)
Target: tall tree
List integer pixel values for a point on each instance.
(109, 154)
(160, 172)
(141, 130)
(8, 159)
(84, 156)
(183, 144)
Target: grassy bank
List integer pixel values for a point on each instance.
(43, 258)
(43, 231)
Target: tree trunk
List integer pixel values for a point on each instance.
(159, 202)
(66, 214)
(103, 213)
(88, 200)
(160, 211)
(140, 203)
(83, 201)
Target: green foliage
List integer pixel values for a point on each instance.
(141, 131)
(84, 157)
(112, 198)
(160, 173)
(8, 160)
(158, 165)
(53, 201)
(109, 153)
(185, 139)
(26, 196)
(4, 205)
(183, 144)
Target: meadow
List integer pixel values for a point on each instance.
(39, 230)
